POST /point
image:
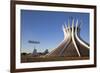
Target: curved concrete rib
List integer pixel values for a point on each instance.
(81, 42)
(73, 39)
(65, 30)
(67, 38)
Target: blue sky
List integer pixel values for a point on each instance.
(46, 27)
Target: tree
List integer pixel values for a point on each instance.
(23, 53)
(46, 51)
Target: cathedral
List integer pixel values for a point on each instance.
(72, 45)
